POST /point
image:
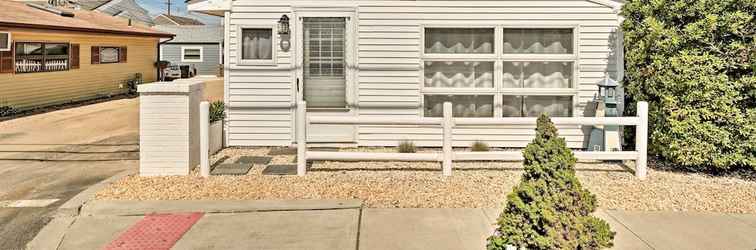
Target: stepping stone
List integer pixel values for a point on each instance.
(289, 169)
(258, 160)
(282, 151)
(232, 169)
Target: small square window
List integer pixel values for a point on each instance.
(109, 54)
(257, 44)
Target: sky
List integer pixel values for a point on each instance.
(178, 7)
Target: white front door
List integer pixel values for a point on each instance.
(326, 78)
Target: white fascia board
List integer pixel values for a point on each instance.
(615, 5)
(210, 6)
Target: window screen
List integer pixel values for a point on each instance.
(324, 48)
(257, 44)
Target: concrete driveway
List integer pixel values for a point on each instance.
(56, 155)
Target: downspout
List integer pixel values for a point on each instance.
(158, 54)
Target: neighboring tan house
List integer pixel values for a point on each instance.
(200, 46)
(404, 59)
(60, 55)
(165, 19)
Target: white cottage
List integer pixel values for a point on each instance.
(374, 58)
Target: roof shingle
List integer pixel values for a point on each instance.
(165, 19)
(193, 34)
(18, 14)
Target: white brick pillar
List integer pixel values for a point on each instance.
(169, 127)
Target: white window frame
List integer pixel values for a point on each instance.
(273, 43)
(498, 57)
(10, 41)
(201, 51)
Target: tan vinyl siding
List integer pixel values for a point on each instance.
(29, 90)
(389, 48)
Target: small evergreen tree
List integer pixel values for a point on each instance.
(550, 209)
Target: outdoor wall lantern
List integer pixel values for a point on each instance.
(283, 25)
(284, 30)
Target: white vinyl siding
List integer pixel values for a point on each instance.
(390, 77)
(259, 95)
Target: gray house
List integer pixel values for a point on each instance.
(197, 45)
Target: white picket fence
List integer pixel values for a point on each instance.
(447, 156)
(24, 65)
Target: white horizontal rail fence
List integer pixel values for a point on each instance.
(447, 123)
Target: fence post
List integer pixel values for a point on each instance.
(641, 141)
(447, 124)
(205, 139)
(301, 138)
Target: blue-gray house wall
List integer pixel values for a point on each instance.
(211, 57)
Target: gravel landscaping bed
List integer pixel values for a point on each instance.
(413, 184)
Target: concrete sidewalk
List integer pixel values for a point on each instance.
(345, 225)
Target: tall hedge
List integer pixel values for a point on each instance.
(550, 209)
(694, 62)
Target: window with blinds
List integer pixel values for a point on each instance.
(324, 71)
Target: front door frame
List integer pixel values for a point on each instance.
(350, 71)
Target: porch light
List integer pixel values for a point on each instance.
(283, 25)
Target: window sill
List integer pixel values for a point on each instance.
(541, 91)
(48, 71)
(256, 63)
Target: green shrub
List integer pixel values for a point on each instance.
(695, 63)
(480, 146)
(407, 147)
(550, 209)
(217, 111)
(7, 111)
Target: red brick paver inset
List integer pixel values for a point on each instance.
(155, 231)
